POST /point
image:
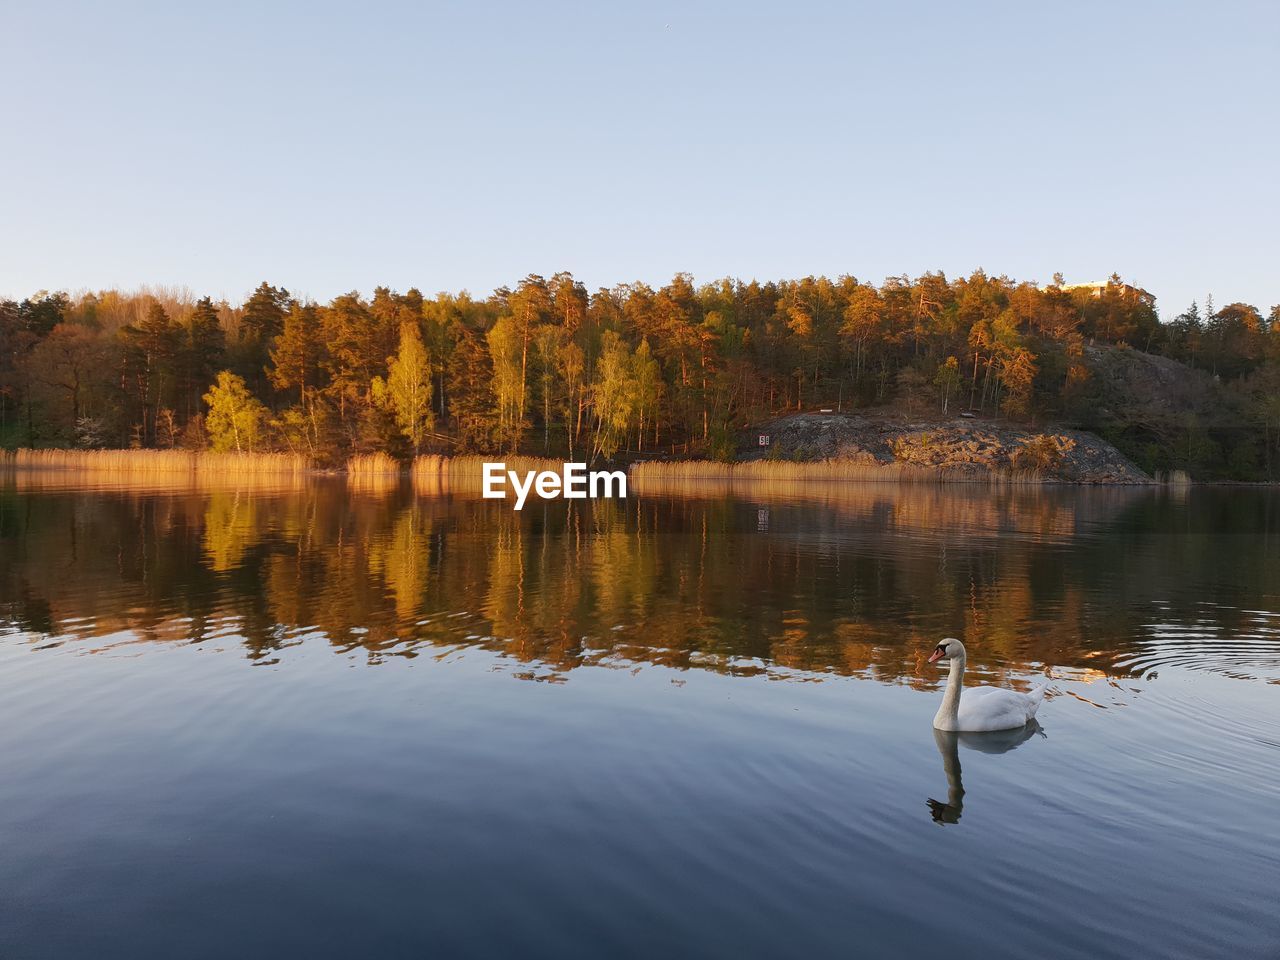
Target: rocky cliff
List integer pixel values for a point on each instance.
(958, 447)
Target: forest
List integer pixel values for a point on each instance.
(547, 368)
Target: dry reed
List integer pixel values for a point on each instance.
(155, 469)
(373, 464)
(373, 473)
(434, 475)
(160, 461)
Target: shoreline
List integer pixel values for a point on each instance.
(433, 473)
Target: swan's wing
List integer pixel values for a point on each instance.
(983, 693)
(993, 708)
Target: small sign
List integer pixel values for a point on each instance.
(764, 439)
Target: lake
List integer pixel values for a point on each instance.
(333, 722)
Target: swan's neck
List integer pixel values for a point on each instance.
(949, 746)
(948, 714)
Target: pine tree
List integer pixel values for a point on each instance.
(355, 354)
(205, 351)
(264, 312)
(261, 320)
(296, 354)
(473, 402)
(153, 350)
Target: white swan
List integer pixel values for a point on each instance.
(980, 708)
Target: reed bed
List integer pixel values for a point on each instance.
(375, 474)
(154, 469)
(160, 461)
(828, 471)
(163, 466)
(434, 475)
(373, 464)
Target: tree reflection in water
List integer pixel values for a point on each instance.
(856, 579)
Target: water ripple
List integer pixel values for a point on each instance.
(1242, 644)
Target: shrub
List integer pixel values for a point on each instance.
(1040, 454)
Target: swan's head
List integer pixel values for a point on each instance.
(948, 649)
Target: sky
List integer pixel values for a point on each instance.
(330, 147)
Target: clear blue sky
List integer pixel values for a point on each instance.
(331, 147)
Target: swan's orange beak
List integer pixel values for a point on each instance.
(935, 656)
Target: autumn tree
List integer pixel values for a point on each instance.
(406, 391)
(530, 306)
(236, 417)
(508, 353)
(861, 324)
(70, 367)
(549, 341)
(473, 403)
(613, 395)
(646, 380)
(572, 371)
(546, 367)
(947, 380)
(1017, 375)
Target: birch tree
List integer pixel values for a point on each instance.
(406, 392)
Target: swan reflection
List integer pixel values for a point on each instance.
(949, 743)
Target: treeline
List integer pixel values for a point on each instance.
(548, 368)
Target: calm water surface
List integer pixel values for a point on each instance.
(333, 723)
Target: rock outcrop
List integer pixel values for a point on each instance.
(959, 447)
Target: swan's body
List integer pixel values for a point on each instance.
(979, 709)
